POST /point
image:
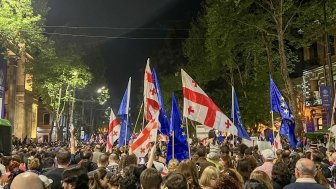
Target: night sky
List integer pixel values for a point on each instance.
(122, 57)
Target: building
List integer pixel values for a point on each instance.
(316, 85)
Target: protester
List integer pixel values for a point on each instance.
(75, 178)
(27, 180)
(175, 180)
(99, 179)
(262, 177)
(268, 157)
(63, 160)
(305, 170)
(209, 178)
(150, 179)
(189, 170)
(113, 165)
(227, 182)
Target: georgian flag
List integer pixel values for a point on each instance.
(199, 107)
(113, 131)
(277, 143)
(141, 144)
(151, 102)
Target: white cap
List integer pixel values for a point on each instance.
(268, 154)
(47, 181)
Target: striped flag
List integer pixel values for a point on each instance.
(141, 144)
(113, 131)
(198, 106)
(151, 102)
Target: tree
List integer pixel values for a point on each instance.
(20, 27)
(55, 81)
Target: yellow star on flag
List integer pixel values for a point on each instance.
(286, 111)
(282, 104)
(183, 134)
(282, 98)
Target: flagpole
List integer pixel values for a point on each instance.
(127, 106)
(136, 123)
(232, 106)
(272, 123)
(188, 137)
(173, 144)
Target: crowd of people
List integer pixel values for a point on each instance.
(210, 166)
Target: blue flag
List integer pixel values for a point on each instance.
(235, 114)
(163, 119)
(279, 105)
(180, 138)
(125, 117)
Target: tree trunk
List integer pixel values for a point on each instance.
(288, 81)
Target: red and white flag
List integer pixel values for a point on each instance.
(151, 102)
(277, 143)
(199, 107)
(141, 144)
(113, 131)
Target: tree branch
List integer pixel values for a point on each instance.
(288, 22)
(257, 27)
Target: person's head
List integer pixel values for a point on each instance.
(333, 157)
(75, 178)
(150, 179)
(113, 158)
(201, 151)
(174, 181)
(209, 177)
(97, 148)
(244, 168)
(226, 182)
(172, 165)
(103, 160)
(305, 168)
(114, 181)
(242, 148)
(254, 184)
(262, 177)
(268, 155)
(226, 161)
(189, 170)
(87, 155)
(100, 179)
(25, 180)
(33, 164)
(63, 158)
(316, 156)
(131, 160)
(281, 173)
(234, 174)
(48, 162)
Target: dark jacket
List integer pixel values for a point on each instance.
(301, 185)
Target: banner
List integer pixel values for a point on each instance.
(326, 104)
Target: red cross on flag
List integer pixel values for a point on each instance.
(141, 144)
(151, 102)
(113, 131)
(199, 107)
(277, 143)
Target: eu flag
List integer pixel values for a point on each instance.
(235, 114)
(163, 119)
(180, 138)
(125, 117)
(279, 105)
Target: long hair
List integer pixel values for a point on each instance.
(189, 170)
(98, 175)
(262, 177)
(209, 173)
